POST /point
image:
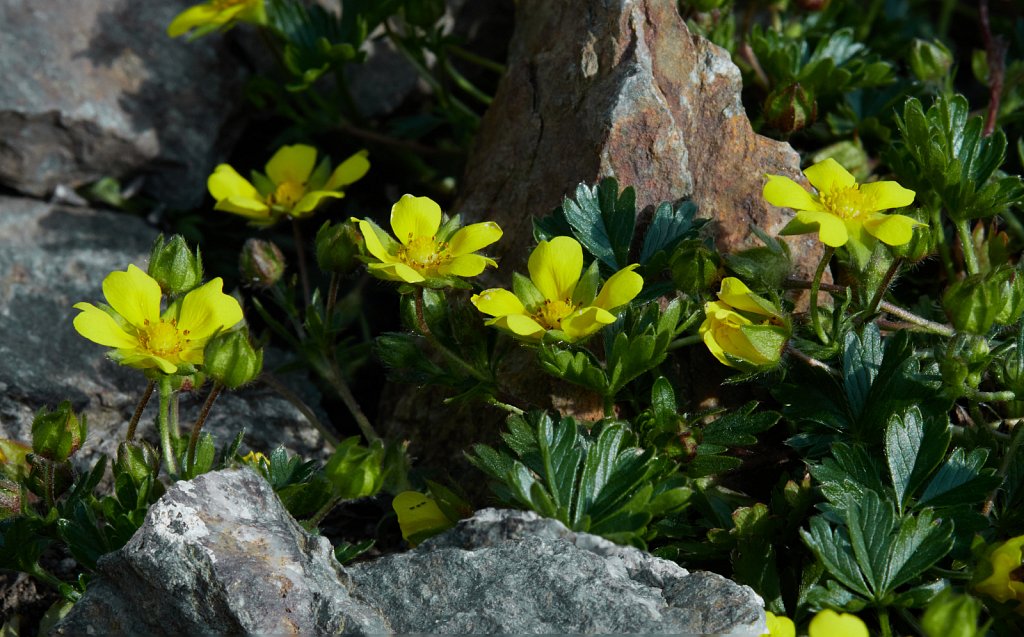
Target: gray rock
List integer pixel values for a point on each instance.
(99, 89)
(221, 555)
(51, 257)
(514, 572)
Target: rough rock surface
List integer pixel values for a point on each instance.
(221, 555)
(101, 90)
(52, 257)
(621, 88)
(514, 572)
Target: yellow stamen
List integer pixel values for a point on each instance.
(162, 339)
(551, 313)
(287, 194)
(848, 203)
(424, 253)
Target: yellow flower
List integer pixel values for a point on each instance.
(843, 210)
(736, 340)
(425, 249)
(829, 623)
(779, 626)
(141, 336)
(1007, 579)
(216, 14)
(555, 297)
(256, 460)
(291, 185)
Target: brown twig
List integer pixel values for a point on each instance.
(995, 50)
(138, 411)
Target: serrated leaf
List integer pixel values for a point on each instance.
(603, 221)
(669, 226)
(960, 480)
(862, 359)
(921, 541)
(833, 548)
(870, 523)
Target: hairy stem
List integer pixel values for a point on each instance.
(1011, 451)
(815, 285)
(910, 317)
(421, 323)
(166, 447)
(300, 257)
(963, 231)
(193, 439)
(143, 401)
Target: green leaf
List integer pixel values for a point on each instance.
(577, 367)
(834, 550)
(960, 480)
(603, 221)
(913, 448)
(922, 541)
(737, 428)
(861, 360)
(870, 523)
(669, 226)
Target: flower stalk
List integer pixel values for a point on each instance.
(826, 256)
(143, 401)
(166, 446)
(193, 440)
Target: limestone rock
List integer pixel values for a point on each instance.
(514, 572)
(220, 555)
(98, 89)
(51, 257)
(621, 88)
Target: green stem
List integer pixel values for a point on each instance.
(337, 381)
(462, 82)
(193, 439)
(300, 256)
(812, 362)
(175, 418)
(473, 58)
(883, 621)
(910, 317)
(609, 406)
(40, 573)
(512, 409)
(270, 381)
(815, 285)
(319, 516)
(935, 220)
(134, 424)
(990, 396)
(421, 322)
(963, 231)
(693, 339)
(332, 298)
(165, 431)
(1011, 451)
(882, 289)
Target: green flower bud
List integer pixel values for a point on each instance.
(922, 244)
(174, 266)
(230, 359)
(337, 247)
(930, 61)
(57, 435)
(138, 459)
(355, 471)
(694, 267)
(10, 499)
(790, 108)
(261, 263)
(48, 479)
(964, 362)
(979, 301)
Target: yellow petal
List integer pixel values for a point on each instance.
(414, 217)
(620, 288)
(466, 265)
(395, 272)
(786, 193)
(721, 333)
(206, 310)
(884, 195)
(418, 514)
(225, 182)
(311, 200)
(473, 237)
(735, 293)
(375, 240)
(586, 322)
(349, 171)
(829, 623)
(249, 208)
(555, 267)
(143, 360)
(519, 324)
(194, 16)
(829, 175)
(894, 230)
(291, 163)
(134, 295)
(779, 626)
(497, 302)
(831, 229)
(99, 327)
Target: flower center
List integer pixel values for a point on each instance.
(847, 203)
(287, 194)
(550, 313)
(163, 338)
(423, 253)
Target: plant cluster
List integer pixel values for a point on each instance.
(869, 481)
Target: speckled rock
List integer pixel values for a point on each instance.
(51, 257)
(513, 572)
(621, 88)
(96, 88)
(220, 555)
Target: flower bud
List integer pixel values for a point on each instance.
(138, 459)
(694, 268)
(744, 330)
(10, 499)
(337, 247)
(58, 434)
(790, 108)
(355, 471)
(979, 301)
(922, 244)
(174, 266)
(261, 263)
(230, 359)
(930, 61)
(48, 479)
